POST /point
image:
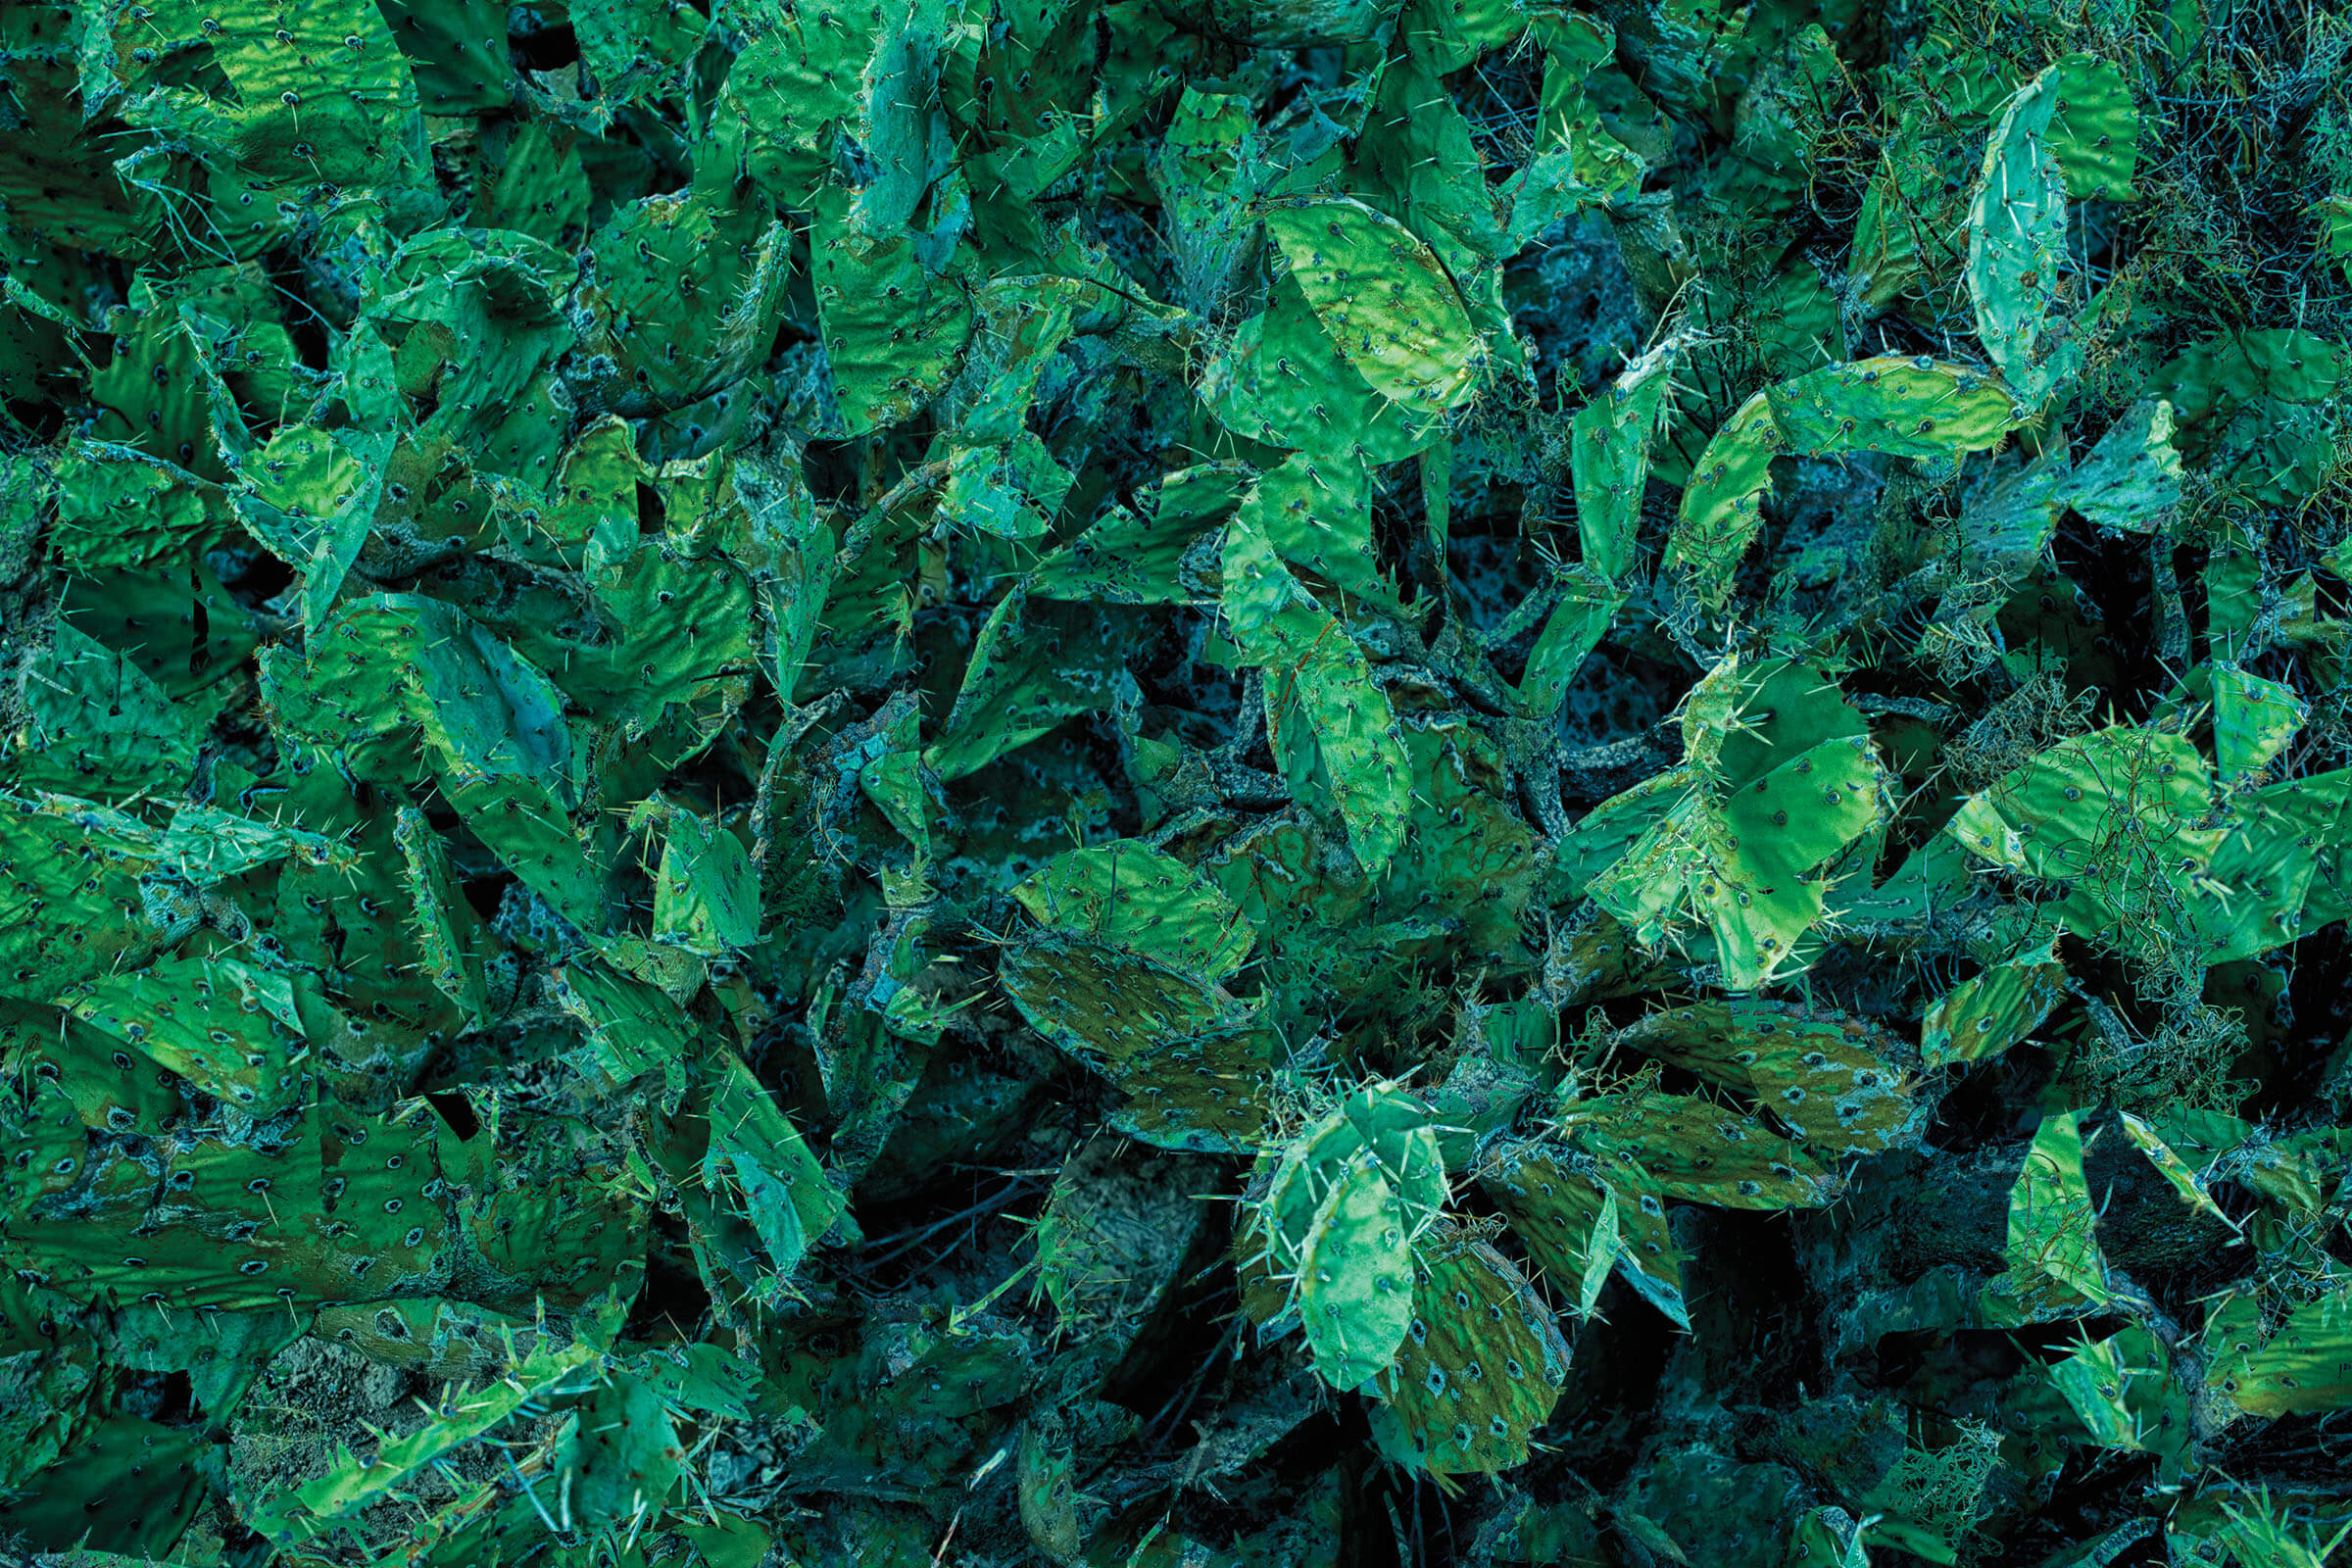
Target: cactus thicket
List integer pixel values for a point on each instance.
(1174, 783)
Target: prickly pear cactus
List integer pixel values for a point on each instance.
(935, 784)
(1838, 1084)
(1921, 409)
(1480, 1367)
(1331, 1239)
(2017, 242)
(1735, 850)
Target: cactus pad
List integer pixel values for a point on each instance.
(1480, 1367)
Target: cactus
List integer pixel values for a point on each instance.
(1141, 557)
(1577, 623)
(1572, 1223)
(1694, 1493)
(757, 1157)
(2055, 1264)
(1610, 461)
(1412, 340)
(1916, 407)
(1211, 164)
(311, 499)
(229, 1029)
(1610, 467)
(533, 182)
(546, 1209)
(1835, 1081)
(318, 1506)
(2335, 214)
(1688, 1148)
(2305, 1365)
(2122, 1391)
(1577, 159)
(1334, 1234)
(2256, 408)
(1049, 1511)
(704, 897)
(1465, 857)
(2253, 720)
(1281, 381)
(2114, 819)
(2172, 1167)
(2130, 480)
(634, 49)
(1112, 1243)
(153, 390)
(177, 625)
(1725, 842)
(79, 899)
(1354, 1272)
(99, 727)
(459, 954)
(1986, 1014)
(1290, 23)
(1183, 1047)
(922, 1399)
(656, 254)
(1915, 198)
(119, 509)
(2256, 1533)
(689, 693)
(1011, 694)
(346, 1210)
(892, 328)
(2283, 862)
(360, 140)
(2094, 133)
(456, 70)
(793, 83)
(1135, 897)
(2017, 244)
(1318, 518)
(1010, 491)
(1480, 1366)
(1327, 716)
(130, 1486)
(1825, 1537)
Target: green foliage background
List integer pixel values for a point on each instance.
(1175, 782)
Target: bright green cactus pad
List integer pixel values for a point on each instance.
(1174, 783)
(2017, 238)
(1281, 381)
(1735, 850)
(1355, 1266)
(1921, 409)
(1137, 897)
(2305, 1365)
(1991, 1010)
(1384, 299)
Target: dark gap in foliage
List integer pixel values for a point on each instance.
(483, 894)
(254, 576)
(2310, 1020)
(1979, 1106)
(457, 1111)
(675, 1300)
(537, 44)
(2114, 572)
